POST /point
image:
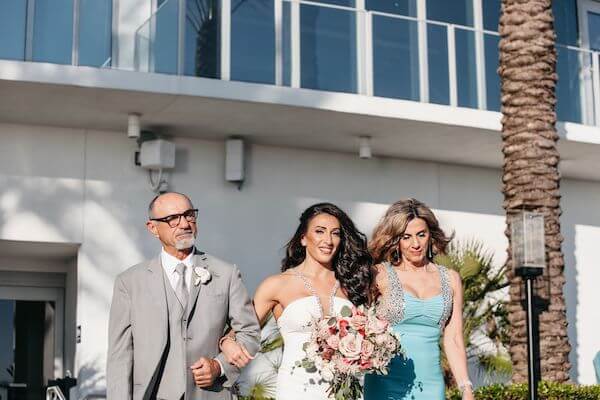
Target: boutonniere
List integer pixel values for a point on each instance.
(202, 275)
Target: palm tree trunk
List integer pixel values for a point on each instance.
(531, 178)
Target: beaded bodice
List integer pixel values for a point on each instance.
(394, 300)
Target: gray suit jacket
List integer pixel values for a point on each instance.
(138, 328)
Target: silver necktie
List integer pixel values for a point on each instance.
(181, 290)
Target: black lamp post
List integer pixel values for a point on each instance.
(529, 259)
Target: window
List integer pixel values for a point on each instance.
(95, 32)
(13, 28)
(53, 31)
(43, 30)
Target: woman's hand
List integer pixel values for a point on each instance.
(235, 353)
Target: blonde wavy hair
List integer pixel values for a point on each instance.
(386, 235)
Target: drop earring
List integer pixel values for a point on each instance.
(430, 254)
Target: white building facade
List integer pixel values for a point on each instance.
(300, 82)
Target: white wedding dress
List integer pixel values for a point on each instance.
(294, 383)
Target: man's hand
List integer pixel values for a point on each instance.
(205, 371)
(235, 353)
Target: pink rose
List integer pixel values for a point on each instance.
(376, 326)
(358, 322)
(350, 346)
(367, 349)
(333, 342)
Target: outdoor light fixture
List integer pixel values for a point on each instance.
(529, 260)
(234, 161)
(133, 125)
(364, 147)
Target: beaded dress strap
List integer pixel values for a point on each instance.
(395, 296)
(313, 292)
(446, 295)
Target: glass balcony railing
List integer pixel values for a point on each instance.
(332, 47)
(156, 48)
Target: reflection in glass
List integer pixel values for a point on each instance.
(287, 44)
(202, 41)
(13, 16)
(165, 37)
(395, 58)
(53, 31)
(7, 340)
(594, 30)
(492, 79)
(95, 32)
(437, 58)
(328, 49)
(565, 22)
(466, 76)
(253, 41)
(398, 7)
(459, 12)
(491, 14)
(568, 88)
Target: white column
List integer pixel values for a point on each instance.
(423, 61)
(225, 40)
(295, 38)
(452, 79)
(278, 11)
(360, 17)
(480, 55)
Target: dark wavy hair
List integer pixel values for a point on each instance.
(352, 262)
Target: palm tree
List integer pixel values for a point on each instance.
(531, 178)
(486, 329)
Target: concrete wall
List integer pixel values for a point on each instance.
(76, 186)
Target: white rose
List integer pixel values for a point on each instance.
(202, 275)
(327, 374)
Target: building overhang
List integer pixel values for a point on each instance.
(101, 99)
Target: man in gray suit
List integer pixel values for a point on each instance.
(168, 315)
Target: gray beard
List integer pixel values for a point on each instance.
(185, 244)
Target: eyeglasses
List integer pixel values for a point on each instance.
(174, 219)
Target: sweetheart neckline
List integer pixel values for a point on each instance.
(304, 298)
(422, 299)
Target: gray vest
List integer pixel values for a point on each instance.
(173, 380)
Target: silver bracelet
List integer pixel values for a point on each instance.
(462, 386)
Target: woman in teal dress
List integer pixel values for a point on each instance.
(422, 301)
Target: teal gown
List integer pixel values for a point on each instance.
(417, 374)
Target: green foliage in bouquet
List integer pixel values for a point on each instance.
(547, 391)
(486, 328)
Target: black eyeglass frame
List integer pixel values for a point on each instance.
(171, 217)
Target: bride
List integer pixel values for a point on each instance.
(326, 266)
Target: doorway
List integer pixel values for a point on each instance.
(31, 340)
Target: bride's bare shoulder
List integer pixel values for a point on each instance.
(276, 283)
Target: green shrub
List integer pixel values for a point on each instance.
(546, 391)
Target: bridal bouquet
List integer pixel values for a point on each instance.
(343, 348)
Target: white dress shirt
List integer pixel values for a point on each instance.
(169, 263)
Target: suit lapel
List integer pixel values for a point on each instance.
(201, 261)
(156, 288)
